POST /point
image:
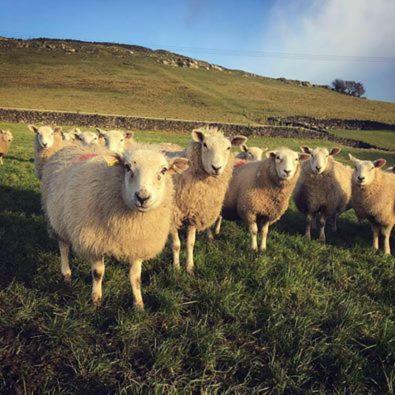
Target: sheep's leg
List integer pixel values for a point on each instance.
(334, 222)
(264, 231)
(97, 267)
(1, 160)
(253, 228)
(386, 232)
(64, 249)
(218, 224)
(309, 220)
(210, 234)
(322, 222)
(191, 237)
(135, 281)
(375, 231)
(176, 246)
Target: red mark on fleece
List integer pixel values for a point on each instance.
(84, 157)
(240, 162)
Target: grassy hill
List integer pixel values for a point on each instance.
(303, 317)
(89, 77)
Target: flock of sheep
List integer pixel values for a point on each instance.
(104, 194)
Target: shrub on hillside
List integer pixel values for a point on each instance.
(351, 88)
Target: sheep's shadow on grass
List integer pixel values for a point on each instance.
(19, 200)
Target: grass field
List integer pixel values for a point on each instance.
(97, 79)
(380, 138)
(302, 317)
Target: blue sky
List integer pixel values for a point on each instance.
(316, 40)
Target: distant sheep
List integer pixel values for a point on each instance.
(116, 140)
(373, 198)
(47, 141)
(68, 136)
(87, 138)
(201, 189)
(251, 153)
(259, 192)
(323, 190)
(101, 209)
(6, 138)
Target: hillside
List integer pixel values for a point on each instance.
(132, 80)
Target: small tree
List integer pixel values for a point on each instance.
(352, 88)
(339, 85)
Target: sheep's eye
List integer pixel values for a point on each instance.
(164, 170)
(204, 145)
(129, 169)
(122, 140)
(277, 157)
(228, 148)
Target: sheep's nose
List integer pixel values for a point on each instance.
(360, 178)
(318, 168)
(287, 172)
(216, 168)
(142, 197)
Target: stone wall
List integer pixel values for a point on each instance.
(139, 123)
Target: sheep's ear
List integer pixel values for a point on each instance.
(64, 134)
(264, 149)
(306, 149)
(101, 132)
(379, 163)
(178, 165)
(129, 135)
(57, 129)
(271, 154)
(303, 156)
(238, 140)
(3, 131)
(33, 128)
(198, 135)
(335, 151)
(353, 159)
(244, 148)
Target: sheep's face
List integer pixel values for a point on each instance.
(6, 135)
(286, 162)
(215, 149)
(68, 136)
(252, 154)
(365, 170)
(145, 178)
(87, 138)
(319, 158)
(115, 140)
(45, 135)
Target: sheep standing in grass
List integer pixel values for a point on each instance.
(323, 190)
(251, 153)
(373, 198)
(6, 138)
(124, 211)
(201, 189)
(259, 192)
(47, 141)
(116, 141)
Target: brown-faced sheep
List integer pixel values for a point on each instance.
(99, 208)
(259, 192)
(6, 138)
(201, 189)
(373, 198)
(323, 190)
(47, 141)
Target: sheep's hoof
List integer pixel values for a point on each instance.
(139, 306)
(67, 279)
(210, 237)
(190, 270)
(96, 300)
(322, 240)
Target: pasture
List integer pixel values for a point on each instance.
(304, 316)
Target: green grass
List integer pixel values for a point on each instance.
(140, 85)
(380, 138)
(302, 317)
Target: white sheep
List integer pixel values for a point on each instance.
(47, 141)
(99, 208)
(201, 189)
(259, 192)
(323, 190)
(68, 136)
(116, 141)
(6, 138)
(373, 198)
(86, 138)
(251, 153)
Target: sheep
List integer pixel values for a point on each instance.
(47, 141)
(6, 138)
(68, 136)
(99, 208)
(116, 140)
(259, 192)
(201, 189)
(373, 198)
(251, 153)
(323, 190)
(248, 154)
(86, 138)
